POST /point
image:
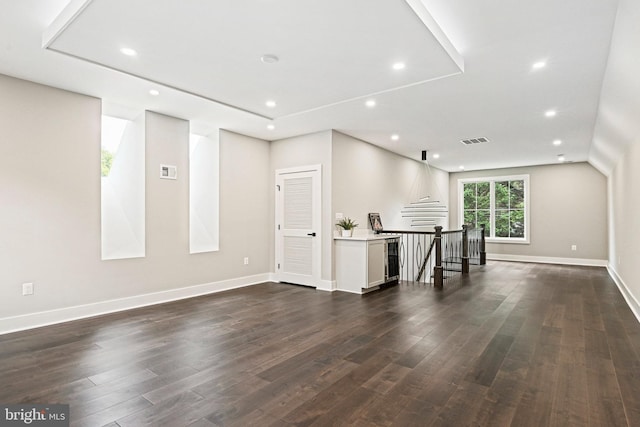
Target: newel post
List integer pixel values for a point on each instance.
(483, 253)
(438, 278)
(465, 250)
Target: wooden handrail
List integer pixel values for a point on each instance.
(405, 232)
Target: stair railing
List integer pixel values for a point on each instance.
(449, 253)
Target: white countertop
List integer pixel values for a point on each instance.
(366, 237)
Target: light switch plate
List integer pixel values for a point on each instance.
(27, 289)
(168, 172)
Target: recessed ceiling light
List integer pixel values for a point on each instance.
(154, 92)
(270, 104)
(461, 167)
(270, 126)
(128, 51)
(269, 59)
(436, 156)
(550, 113)
(395, 137)
(399, 66)
(538, 65)
(557, 142)
(370, 103)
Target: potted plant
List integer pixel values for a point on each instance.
(347, 225)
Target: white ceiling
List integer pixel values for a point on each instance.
(468, 68)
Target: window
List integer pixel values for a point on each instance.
(122, 207)
(204, 184)
(500, 203)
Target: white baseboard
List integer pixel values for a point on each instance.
(632, 302)
(45, 318)
(549, 260)
(349, 291)
(327, 285)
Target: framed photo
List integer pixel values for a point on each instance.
(376, 222)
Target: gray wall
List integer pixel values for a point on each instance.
(50, 199)
(568, 206)
(357, 178)
(305, 150)
(367, 178)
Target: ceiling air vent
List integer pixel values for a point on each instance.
(474, 141)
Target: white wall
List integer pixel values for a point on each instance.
(567, 206)
(50, 215)
(616, 148)
(625, 224)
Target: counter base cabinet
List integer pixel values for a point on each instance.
(360, 264)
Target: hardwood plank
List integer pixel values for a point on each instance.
(416, 414)
(323, 402)
(463, 405)
(502, 398)
(604, 397)
(112, 413)
(570, 402)
(386, 378)
(171, 411)
(381, 411)
(348, 410)
(490, 360)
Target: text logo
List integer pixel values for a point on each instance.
(34, 415)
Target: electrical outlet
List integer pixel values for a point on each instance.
(574, 247)
(246, 260)
(27, 289)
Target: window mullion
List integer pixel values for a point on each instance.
(492, 208)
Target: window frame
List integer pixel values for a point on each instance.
(492, 206)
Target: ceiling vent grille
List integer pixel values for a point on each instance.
(474, 141)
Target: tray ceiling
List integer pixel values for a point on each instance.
(328, 52)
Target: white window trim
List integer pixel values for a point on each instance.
(492, 179)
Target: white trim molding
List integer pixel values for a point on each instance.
(632, 302)
(327, 285)
(492, 205)
(549, 260)
(51, 317)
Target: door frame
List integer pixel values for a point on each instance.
(317, 195)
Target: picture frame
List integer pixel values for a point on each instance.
(375, 222)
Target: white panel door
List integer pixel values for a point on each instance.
(298, 230)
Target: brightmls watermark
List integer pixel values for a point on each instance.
(34, 415)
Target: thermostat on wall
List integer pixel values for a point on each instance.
(168, 172)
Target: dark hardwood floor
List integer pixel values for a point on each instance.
(513, 344)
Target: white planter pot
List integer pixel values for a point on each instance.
(347, 233)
